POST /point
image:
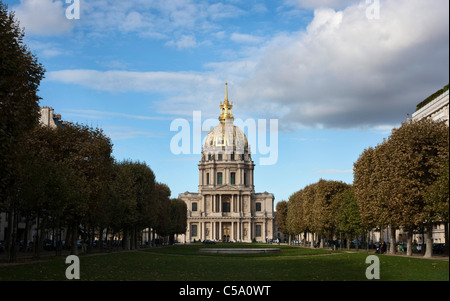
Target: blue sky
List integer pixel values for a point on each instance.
(338, 75)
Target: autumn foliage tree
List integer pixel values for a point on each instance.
(315, 209)
(20, 76)
(281, 217)
(393, 182)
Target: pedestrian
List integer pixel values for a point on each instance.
(383, 248)
(83, 247)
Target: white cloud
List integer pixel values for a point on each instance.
(48, 49)
(95, 114)
(133, 21)
(343, 71)
(126, 132)
(245, 38)
(184, 42)
(154, 18)
(348, 71)
(334, 171)
(43, 17)
(314, 4)
(123, 81)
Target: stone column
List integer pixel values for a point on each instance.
(190, 231)
(232, 203)
(263, 231)
(240, 231)
(202, 225)
(203, 205)
(232, 231)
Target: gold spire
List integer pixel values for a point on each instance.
(226, 107)
(226, 92)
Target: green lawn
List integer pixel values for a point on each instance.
(185, 263)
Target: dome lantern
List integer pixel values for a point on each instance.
(226, 108)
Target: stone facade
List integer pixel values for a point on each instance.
(436, 109)
(226, 207)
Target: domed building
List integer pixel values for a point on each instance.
(226, 207)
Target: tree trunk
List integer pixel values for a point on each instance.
(409, 243)
(367, 241)
(9, 234)
(25, 235)
(126, 239)
(36, 239)
(133, 238)
(13, 248)
(429, 241)
(446, 237)
(74, 245)
(393, 242)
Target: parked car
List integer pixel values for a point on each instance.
(209, 242)
(49, 245)
(438, 248)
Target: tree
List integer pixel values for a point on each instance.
(20, 76)
(437, 201)
(420, 150)
(144, 190)
(365, 187)
(348, 218)
(324, 209)
(281, 217)
(76, 164)
(177, 217)
(162, 194)
(393, 180)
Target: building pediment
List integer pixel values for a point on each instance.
(224, 187)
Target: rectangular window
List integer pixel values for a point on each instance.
(242, 157)
(258, 206)
(232, 157)
(194, 206)
(207, 178)
(220, 157)
(209, 157)
(226, 207)
(194, 230)
(233, 178)
(258, 230)
(245, 179)
(219, 178)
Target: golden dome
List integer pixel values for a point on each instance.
(226, 136)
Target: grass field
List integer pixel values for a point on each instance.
(186, 263)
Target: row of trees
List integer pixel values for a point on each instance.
(401, 183)
(325, 209)
(65, 178)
